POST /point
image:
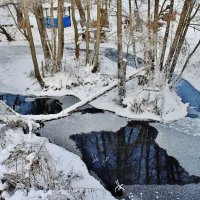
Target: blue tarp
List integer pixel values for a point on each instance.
(48, 22)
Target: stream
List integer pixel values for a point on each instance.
(113, 148)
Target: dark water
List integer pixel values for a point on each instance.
(41, 105)
(130, 156)
(30, 105)
(111, 53)
(189, 95)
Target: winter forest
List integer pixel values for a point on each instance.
(99, 99)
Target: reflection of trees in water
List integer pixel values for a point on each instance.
(34, 106)
(134, 157)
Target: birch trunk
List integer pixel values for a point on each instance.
(155, 40)
(121, 65)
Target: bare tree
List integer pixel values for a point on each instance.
(165, 39)
(155, 39)
(121, 64)
(31, 42)
(87, 33)
(60, 33)
(81, 12)
(38, 12)
(132, 32)
(187, 61)
(182, 36)
(53, 37)
(183, 18)
(97, 42)
(4, 32)
(77, 51)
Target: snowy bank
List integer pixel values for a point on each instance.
(43, 170)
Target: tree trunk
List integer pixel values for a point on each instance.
(97, 43)
(88, 34)
(132, 33)
(4, 32)
(165, 39)
(75, 30)
(38, 12)
(155, 64)
(81, 12)
(149, 52)
(180, 43)
(53, 36)
(177, 37)
(121, 65)
(20, 19)
(31, 43)
(60, 33)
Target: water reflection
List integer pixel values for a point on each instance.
(29, 105)
(130, 156)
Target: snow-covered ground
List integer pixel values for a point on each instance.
(69, 175)
(181, 139)
(18, 80)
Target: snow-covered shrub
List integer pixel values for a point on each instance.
(33, 168)
(137, 105)
(146, 101)
(30, 166)
(73, 72)
(18, 123)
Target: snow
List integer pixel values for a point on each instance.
(173, 108)
(55, 5)
(181, 139)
